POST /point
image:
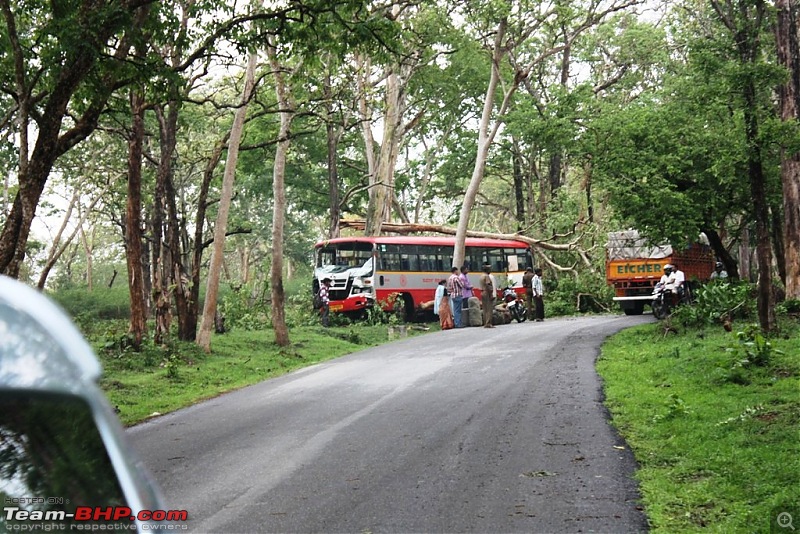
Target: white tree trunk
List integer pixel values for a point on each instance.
(486, 134)
(381, 193)
(215, 266)
(279, 195)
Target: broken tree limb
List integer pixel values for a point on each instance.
(540, 244)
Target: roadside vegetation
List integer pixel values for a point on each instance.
(160, 378)
(711, 409)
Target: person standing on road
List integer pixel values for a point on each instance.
(441, 306)
(487, 296)
(438, 296)
(538, 294)
(466, 292)
(324, 296)
(456, 289)
(527, 283)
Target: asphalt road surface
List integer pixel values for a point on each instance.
(472, 430)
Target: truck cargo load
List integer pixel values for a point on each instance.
(634, 266)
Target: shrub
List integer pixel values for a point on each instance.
(716, 302)
(758, 350)
(585, 293)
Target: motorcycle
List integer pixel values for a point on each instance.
(515, 304)
(664, 300)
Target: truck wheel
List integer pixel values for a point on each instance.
(637, 309)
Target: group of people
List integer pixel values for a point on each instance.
(453, 293)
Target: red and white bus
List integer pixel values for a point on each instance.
(366, 270)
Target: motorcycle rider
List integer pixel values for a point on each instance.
(719, 271)
(673, 279)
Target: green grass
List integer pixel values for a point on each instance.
(157, 380)
(715, 435)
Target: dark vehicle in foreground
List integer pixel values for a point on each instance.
(64, 460)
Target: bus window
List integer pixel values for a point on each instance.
(427, 262)
(326, 257)
(390, 261)
(524, 258)
(409, 262)
(513, 262)
(447, 262)
(495, 258)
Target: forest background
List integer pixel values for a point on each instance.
(145, 134)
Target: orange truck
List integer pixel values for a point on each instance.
(634, 267)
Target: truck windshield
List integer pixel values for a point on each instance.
(339, 257)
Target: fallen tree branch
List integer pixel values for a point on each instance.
(540, 245)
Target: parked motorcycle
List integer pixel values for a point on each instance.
(515, 304)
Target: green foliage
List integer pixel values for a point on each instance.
(86, 307)
(244, 311)
(676, 407)
(714, 455)
(377, 315)
(789, 306)
(716, 302)
(584, 293)
(758, 350)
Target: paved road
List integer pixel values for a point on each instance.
(472, 430)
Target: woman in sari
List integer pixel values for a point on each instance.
(441, 307)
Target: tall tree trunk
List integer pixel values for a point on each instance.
(758, 189)
(333, 169)
(215, 267)
(721, 252)
(745, 256)
(380, 199)
(365, 118)
(88, 248)
(776, 233)
(744, 21)
(279, 199)
(178, 277)
(486, 134)
(133, 224)
(588, 171)
(519, 186)
(789, 56)
(161, 292)
(557, 155)
(199, 224)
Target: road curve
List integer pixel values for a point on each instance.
(470, 430)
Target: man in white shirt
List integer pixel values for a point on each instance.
(538, 295)
(673, 279)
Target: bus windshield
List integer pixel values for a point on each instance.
(340, 257)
